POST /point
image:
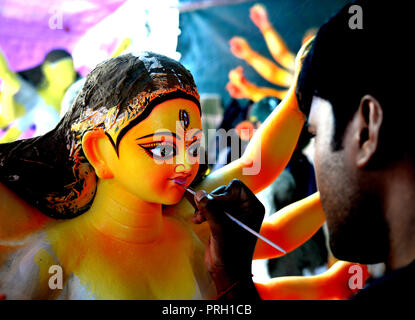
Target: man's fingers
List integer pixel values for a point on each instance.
(200, 199)
(226, 197)
(236, 199)
(211, 210)
(198, 218)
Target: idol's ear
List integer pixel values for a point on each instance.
(97, 149)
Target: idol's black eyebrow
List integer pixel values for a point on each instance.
(193, 141)
(160, 134)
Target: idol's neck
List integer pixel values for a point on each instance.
(119, 214)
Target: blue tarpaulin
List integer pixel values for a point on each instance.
(205, 33)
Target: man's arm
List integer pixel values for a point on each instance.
(228, 255)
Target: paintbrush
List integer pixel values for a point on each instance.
(241, 224)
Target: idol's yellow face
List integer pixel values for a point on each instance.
(159, 152)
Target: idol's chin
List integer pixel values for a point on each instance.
(171, 202)
(173, 199)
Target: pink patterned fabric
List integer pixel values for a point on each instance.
(29, 29)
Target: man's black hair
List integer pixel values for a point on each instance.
(346, 63)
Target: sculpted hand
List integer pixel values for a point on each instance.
(237, 75)
(240, 47)
(235, 91)
(237, 84)
(259, 17)
(229, 253)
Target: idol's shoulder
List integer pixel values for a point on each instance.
(25, 267)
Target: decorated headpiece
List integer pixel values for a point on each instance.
(152, 80)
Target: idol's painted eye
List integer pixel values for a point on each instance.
(160, 150)
(194, 149)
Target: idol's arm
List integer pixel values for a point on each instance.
(240, 88)
(268, 152)
(271, 147)
(291, 226)
(266, 156)
(336, 283)
(264, 159)
(274, 41)
(269, 70)
(265, 67)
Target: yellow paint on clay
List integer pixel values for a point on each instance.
(110, 268)
(44, 261)
(123, 247)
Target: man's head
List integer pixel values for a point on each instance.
(351, 88)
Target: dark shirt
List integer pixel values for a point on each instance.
(397, 285)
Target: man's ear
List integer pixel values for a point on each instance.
(94, 144)
(369, 121)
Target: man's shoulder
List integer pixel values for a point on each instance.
(395, 285)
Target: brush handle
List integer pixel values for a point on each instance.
(272, 244)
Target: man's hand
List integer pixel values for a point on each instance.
(229, 254)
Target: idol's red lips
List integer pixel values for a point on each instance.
(180, 179)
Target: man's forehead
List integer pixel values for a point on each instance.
(319, 108)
